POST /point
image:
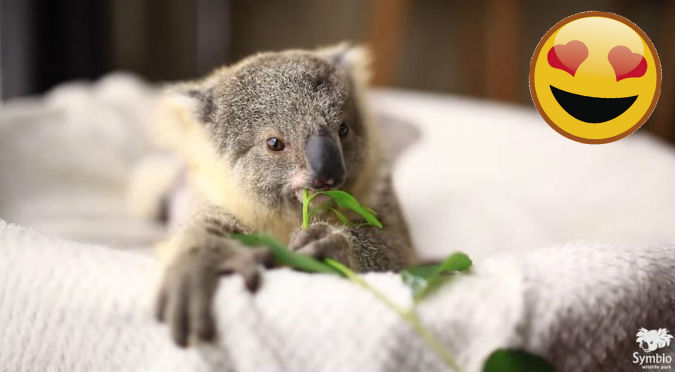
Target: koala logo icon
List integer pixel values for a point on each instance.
(650, 340)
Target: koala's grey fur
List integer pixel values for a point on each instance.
(242, 186)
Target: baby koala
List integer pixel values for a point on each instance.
(252, 136)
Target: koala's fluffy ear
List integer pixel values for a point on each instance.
(182, 110)
(197, 97)
(354, 60)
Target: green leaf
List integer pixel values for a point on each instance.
(340, 216)
(423, 280)
(283, 256)
(432, 284)
(347, 201)
(457, 261)
(416, 283)
(424, 271)
(507, 360)
(324, 205)
(305, 208)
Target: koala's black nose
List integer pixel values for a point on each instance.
(325, 162)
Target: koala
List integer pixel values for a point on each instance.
(251, 137)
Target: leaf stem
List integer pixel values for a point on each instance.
(305, 209)
(408, 315)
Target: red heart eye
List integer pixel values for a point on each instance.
(568, 57)
(626, 64)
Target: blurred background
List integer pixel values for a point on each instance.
(474, 48)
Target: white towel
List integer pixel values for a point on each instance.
(66, 306)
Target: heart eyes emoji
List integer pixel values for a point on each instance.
(595, 77)
(626, 64)
(568, 57)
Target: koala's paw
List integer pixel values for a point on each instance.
(322, 240)
(189, 284)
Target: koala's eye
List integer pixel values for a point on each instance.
(275, 144)
(343, 129)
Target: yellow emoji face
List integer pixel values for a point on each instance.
(595, 77)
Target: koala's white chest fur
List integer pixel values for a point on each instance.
(214, 180)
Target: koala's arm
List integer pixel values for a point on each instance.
(363, 248)
(200, 252)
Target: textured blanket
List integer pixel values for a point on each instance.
(72, 307)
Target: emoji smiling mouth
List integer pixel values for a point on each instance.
(592, 109)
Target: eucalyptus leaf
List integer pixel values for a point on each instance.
(347, 201)
(423, 280)
(423, 271)
(457, 261)
(416, 283)
(340, 216)
(511, 360)
(283, 256)
(321, 207)
(431, 284)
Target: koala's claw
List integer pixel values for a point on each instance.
(186, 295)
(322, 240)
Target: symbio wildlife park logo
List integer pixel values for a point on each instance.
(650, 341)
